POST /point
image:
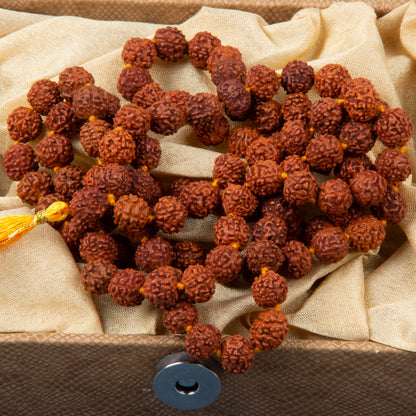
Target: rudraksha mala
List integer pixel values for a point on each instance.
(260, 189)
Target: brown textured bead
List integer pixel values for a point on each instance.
(394, 127)
(202, 341)
(91, 134)
(272, 228)
(176, 187)
(110, 179)
(166, 118)
(236, 99)
(264, 178)
(267, 116)
(170, 214)
(113, 105)
(269, 330)
(133, 119)
(393, 165)
(350, 166)
(296, 106)
(295, 136)
(139, 52)
(117, 146)
(314, 225)
(294, 163)
(72, 79)
(392, 209)
(365, 233)
(199, 283)
(42, 95)
(229, 68)
(131, 80)
(238, 200)
(96, 276)
(145, 186)
(263, 82)
(233, 230)
(263, 253)
(368, 188)
(240, 138)
(237, 354)
(98, 246)
(33, 186)
(54, 151)
(357, 137)
(264, 148)
(153, 253)
(44, 203)
(203, 110)
(213, 135)
(225, 262)
(72, 232)
(330, 245)
(180, 317)
(160, 287)
(68, 180)
(148, 95)
(329, 80)
(148, 153)
(228, 169)
(90, 101)
(298, 260)
(326, 116)
(18, 160)
(297, 76)
(131, 213)
(89, 204)
(200, 198)
(269, 289)
(334, 197)
(61, 119)
(200, 47)
(222, 52)
(179, 98)
(187, 253)
(361, 102)
(342, 220)
(124, 287)
(170, 43)
(299, 188)
(24, 124)
(324, 152)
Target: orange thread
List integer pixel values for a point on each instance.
(402, 149)
(264, 270)
(214, 183)
(141, 290)
(111, 199)
(51, 133)
(277, 307)
(180, 286)
(384, 222)
(311, 250)
(235, 245)
(344, 145)
(91, 118)
(144, 168)
(283, 175)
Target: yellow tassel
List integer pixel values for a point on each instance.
(16, 226)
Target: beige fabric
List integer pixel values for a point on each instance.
(364, 297)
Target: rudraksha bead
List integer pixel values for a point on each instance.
(24, 124)
(148, 153)
(298, 260)
(393, 165)
(334, 197)
(202, 341)
(294, 163)
(324, 152)
(72, 79)
(228, 169)
(296, 106)
(180, 317)
(368, 188)
(297, 76)
(33, 186)
(117, 146)
(199, 283)
(54, 151)
(394, 127)
(178, 97)
(176, 187)
(299, 188)
(365, 233)
(98, 246)
(240, 138)
(91, 134)
(213, 135)
(131, 213)
(233, 230)
(314, 225)
(352, 165)
(200, 47)
(200, 198)
(96, 276)
(44, 203)
(89, 204)
(263, 253)
(225, 262)
(170, 214)
(203, 110)
(42, 95)
(263, 82)
(68, 180)
(222, 52)
(72, 232)
(124, 287)
(153, 253)
(268, 330)
(237, 101)
(238, 200)
(145, 186)
(361, 102)
(326, 116)
(272, 228)
(131, 80)
(166, 118)
(329, 80)
(90, 101)
(330, 245)
(267, 116)
(355, 82)
(61, 119)
(269, 289)
(148, 95)
(160, 287)
(342, 220)
(113, 105)
(133, 119)
(392, 209)
(295, 136)
(170, 43)
(357, 137)
(237, 354)
(264, 178)
(19, 159)
(139, 52)
(187, 253)
(229, 68)
(264, 148)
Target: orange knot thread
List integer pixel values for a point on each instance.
(303, 158)
(264, 270)
(214, 183)
(51, 133)
(111, 199)
(381, 108)
(127, 66)
(150, 218)
(144, 239)
(141, 290)
(91, 118)
(235, 245)
(218, 352)
(340, 101)
(256, 350)
(311, 250)
(180, 286)
(402, 149)
(188, 328)
(283, 175)
(344, 145)
(395, 188)
(384, 222)
(144, 168)
(277, 307)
